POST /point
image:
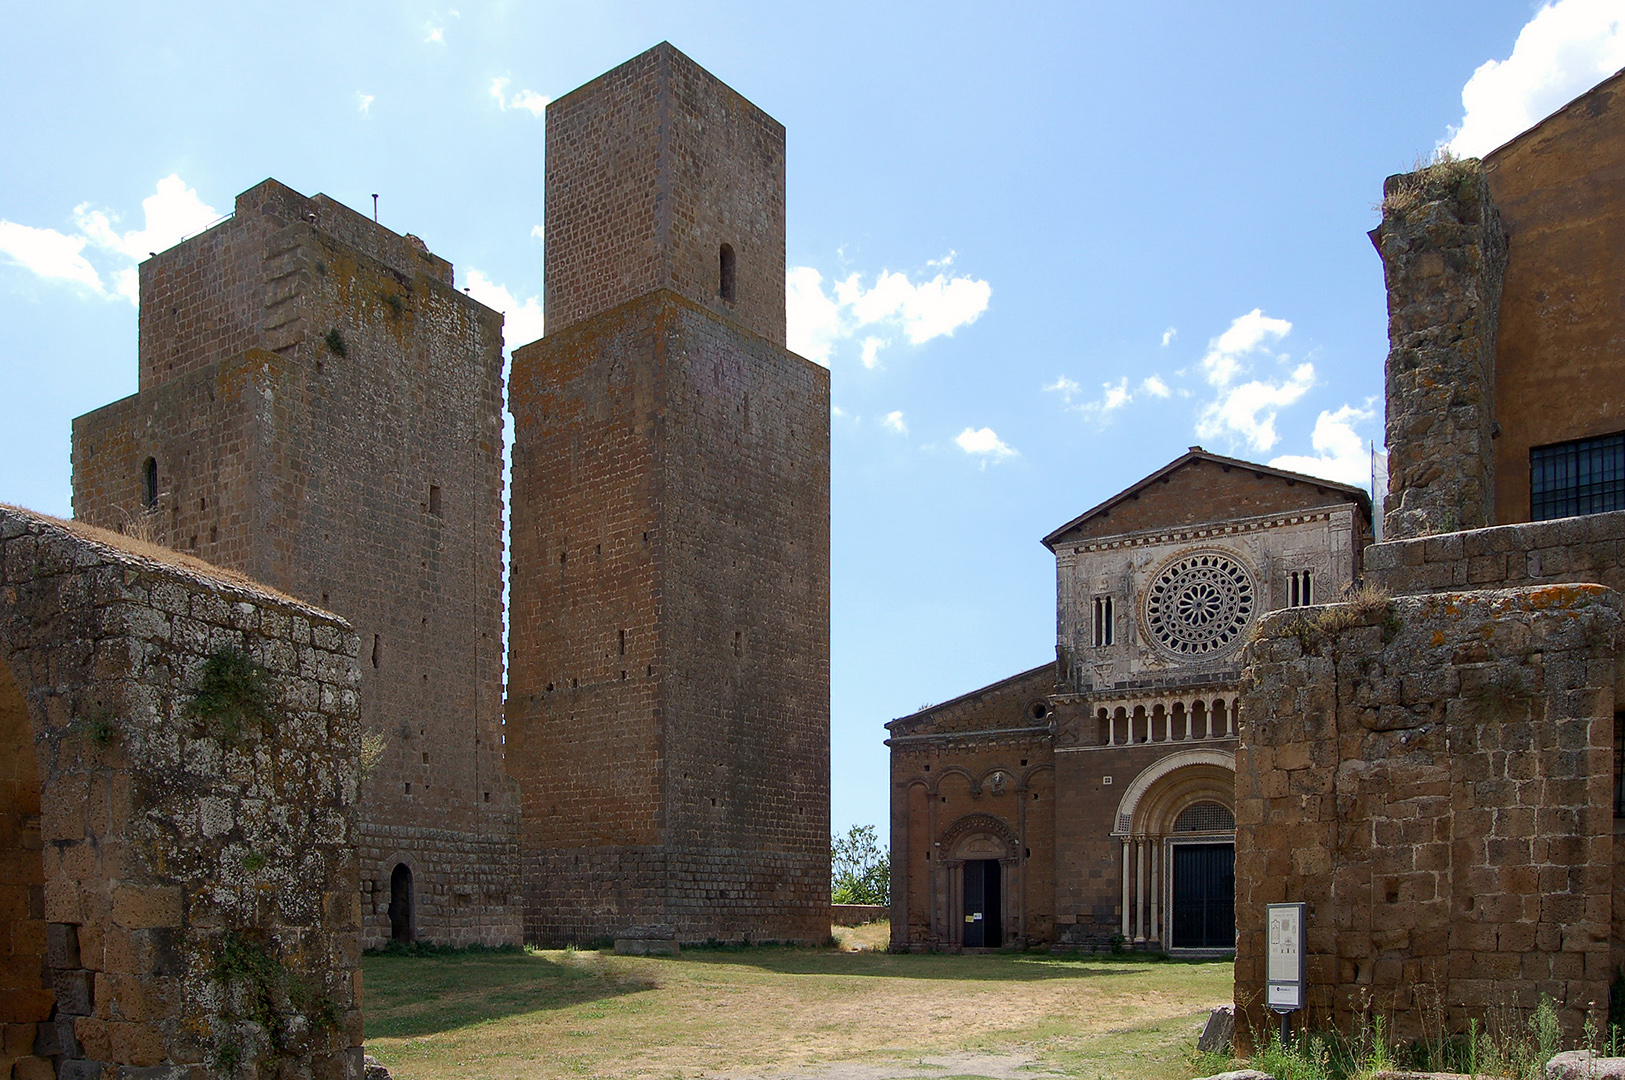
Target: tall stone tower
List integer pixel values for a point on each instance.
(668, 702)
(321, 409)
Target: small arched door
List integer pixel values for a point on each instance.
(400, 904)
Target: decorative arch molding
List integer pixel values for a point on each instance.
(971, 824)
(952, 770)
(1158, 769)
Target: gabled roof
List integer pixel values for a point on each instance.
(1195, 454)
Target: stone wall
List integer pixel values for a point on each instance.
(1560, 328)
(183, 895)
(668, 708)
(349, 453)
(651, 168)
(1577, 549)
(1432, 776)
(1443, 255)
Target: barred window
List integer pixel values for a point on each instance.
(1205, 817)
(1585, 476)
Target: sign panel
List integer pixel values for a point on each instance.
(1284, 967)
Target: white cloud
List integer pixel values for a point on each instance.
(893, 421)
(1113, 395)
(524, 318)
(171, 214)
(48, 254)
(813, 320)
(436, 35)
(983, 443)
(538, 232)
(1168, 336)
(1249, 409)
(1226, 354)
(529, 100)
(1341, 454)
(1568, 47)
(364, 103)
(918, 311)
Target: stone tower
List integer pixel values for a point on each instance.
(321, 410)
(668, 702)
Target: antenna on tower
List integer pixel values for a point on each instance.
(375, 207)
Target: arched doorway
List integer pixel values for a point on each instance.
(401, 925)
(1177, 824)
(979, 882)
(24, 998)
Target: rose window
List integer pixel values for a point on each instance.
(1199, 605)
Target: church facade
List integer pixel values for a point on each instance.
(1091, 801)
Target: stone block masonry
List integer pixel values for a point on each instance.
(1432, 776)
(321, 410)
(668, 711)
(668, 695)
(1443, 256)
(180, 897)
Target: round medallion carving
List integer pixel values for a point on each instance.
(1199, 604)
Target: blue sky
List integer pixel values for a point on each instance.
(1042, 248)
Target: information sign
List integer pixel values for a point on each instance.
(1284, 975)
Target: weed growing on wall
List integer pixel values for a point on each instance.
(261, 991)
(234, 696)
(335, 343)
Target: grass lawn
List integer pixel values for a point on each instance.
(848, 1013)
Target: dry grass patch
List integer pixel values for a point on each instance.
(767, 1011)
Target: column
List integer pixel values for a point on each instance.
(1156, 861)
(1111, 729)
(1126, 869)
(1139, 890)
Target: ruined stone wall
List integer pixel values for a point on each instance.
(1443, 256)
(187, 859)
(668, 698)
(1432, 776)
(351, 458)
(651, 168)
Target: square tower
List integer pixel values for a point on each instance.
(668, 701)
(321, 410)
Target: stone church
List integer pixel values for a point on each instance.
(1091, 800)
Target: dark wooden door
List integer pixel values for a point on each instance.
(1204, 896)
(983, 919)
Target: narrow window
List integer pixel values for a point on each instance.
(434, 499)
(1100, 629)
(1110, 621)
(1292, 589)
(375, 650)
(623, 645)
(149, 483)
(726, 285)
(1308, 589)
(738, 643)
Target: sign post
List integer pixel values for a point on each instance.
(1285, 966)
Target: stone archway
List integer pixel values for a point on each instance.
(986, 845)
(1165, 837)
(25, 994)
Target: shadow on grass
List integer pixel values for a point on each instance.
(407, 995)
(984, 967)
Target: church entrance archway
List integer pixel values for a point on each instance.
(979, 883)
(24, 998)
(1178, 828)
(401, 927)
